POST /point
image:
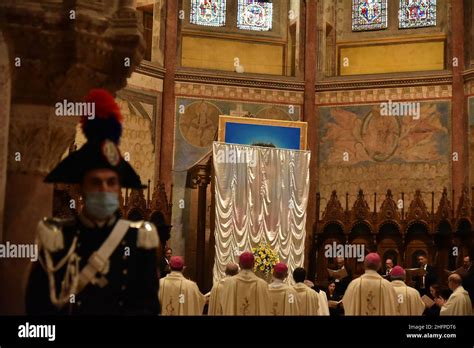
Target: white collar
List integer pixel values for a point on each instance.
(276, 283)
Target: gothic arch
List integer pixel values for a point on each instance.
(417, 241)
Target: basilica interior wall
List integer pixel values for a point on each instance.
(470, 104)
(223, 48)
(347, 52)
(359, 148)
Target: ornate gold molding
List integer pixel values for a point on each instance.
(368, 96)
(370, 82)
(150, 69)
(240, 80)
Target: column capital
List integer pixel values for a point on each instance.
(62, 49)
(38, 138)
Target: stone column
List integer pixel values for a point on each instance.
(57, 50)
(460, 145)
(167, 124)
(5, 95)
(311, 117)
(37, 140)
(166, 154)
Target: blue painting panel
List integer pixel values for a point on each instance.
(250, 134)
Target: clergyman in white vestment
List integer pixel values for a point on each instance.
(245, 293)
(215, 298)
(370, 294)
(178, 295)
(459, 302)
(308, 299)
(282, 296)
(408, 298)
(323, 299)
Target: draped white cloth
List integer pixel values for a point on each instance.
(261, 196)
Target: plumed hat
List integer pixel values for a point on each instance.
(103, 132)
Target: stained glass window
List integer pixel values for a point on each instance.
(369, 15)
(208, 12)
(255, 15)
(417, 13)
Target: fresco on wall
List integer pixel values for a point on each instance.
(362, 148)
(197, 123)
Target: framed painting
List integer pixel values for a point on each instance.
(263, 132)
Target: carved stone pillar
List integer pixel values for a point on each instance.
(57, 50)
(167, 122)
(37, 139)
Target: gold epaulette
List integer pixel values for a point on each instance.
(50, 233)
(147, 237)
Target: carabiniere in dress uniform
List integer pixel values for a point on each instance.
(96, 263)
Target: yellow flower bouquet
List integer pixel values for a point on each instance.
(265, 259)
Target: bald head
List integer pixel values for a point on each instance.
(454, 281)
(231, 269)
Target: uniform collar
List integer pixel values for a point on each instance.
(92, 224)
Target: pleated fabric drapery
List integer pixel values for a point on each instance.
(261, 194)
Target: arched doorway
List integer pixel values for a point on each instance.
(418, 243)
(389, 242)
(361, 235)
(332, 233)
(465, 238)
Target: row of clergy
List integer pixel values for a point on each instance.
(243, 293)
